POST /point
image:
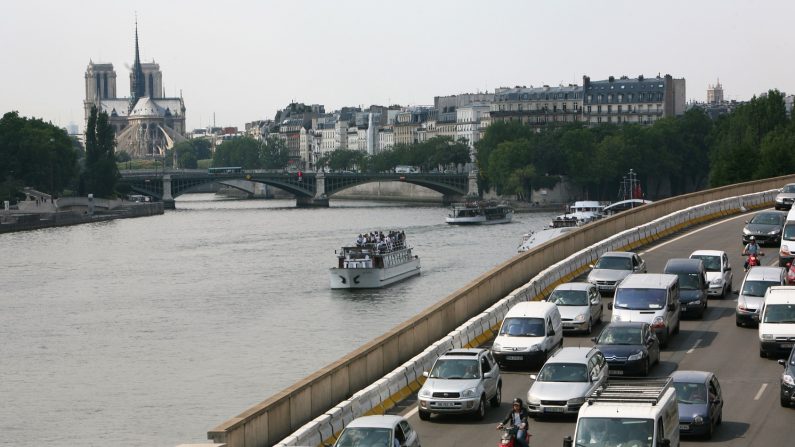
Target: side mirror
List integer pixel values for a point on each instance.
(533, 376)
(728, 268)
(672, 306)
(755, 317)
(488, 375)
(425, 374)
(568, 442)
(593, 339)
(551, 332)
(782, 362)
(610, 306)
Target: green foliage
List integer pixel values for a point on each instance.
(101, 172)
(242, 152)
(36, 154)
(274, 153)
(122, 157)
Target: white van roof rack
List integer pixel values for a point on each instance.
(632, 390)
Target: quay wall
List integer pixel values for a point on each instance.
(12, 222)
(373, 378)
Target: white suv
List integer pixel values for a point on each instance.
(461, 381)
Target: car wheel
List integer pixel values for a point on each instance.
(738, 322)
(424, 415)
(676, 331)
(710, 430)
(720, 418)
(784, 403)
(646, 367)
(480, 413)
(590, 327)
(762, 354)
(495, 401)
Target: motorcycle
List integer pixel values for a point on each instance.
(508, 436)
(790, 274)
(753, 260)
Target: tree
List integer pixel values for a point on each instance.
(101, 173)
(243, 152)
(274, 153)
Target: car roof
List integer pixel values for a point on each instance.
(618, 254)
(688, 264)
(572, 354)
(535, 309)
(708, 252)
(777, 213)
(647, 280)
(626, 324)
(691, 376)
(780, 295)
(575, 286)
(764, 273)
(464, 352)
(376, 421)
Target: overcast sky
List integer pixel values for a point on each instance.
(242, 60)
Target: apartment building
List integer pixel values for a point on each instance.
(625, 100)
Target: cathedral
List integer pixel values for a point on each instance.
(147, 123)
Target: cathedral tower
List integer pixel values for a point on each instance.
(137, 79)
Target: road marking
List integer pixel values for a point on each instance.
(695, 345)
(411, 412)
(691, 233)
(761, 390)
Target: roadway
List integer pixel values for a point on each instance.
(752, 414)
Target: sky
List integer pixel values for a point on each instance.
(238, 61)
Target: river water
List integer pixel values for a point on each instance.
(151, 331)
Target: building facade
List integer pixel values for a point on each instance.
(538, 107)
(639, 100)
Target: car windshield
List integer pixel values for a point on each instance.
(614, 263)
(711, 262)
(563, 372)
(569, 297)
(757, 288)
(779, 313)
(766, 219)
(523, 327)
(691, 393)
(688, 281)
(788, 188)
(455, 369)
(365, 437)
(617, 335)
(789, 233)
(640, 299)
(614, 432)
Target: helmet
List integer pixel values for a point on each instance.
(518, 401)
(753, 238)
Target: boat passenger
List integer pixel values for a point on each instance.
(360, 241)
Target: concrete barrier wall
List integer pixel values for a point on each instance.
(371, 379)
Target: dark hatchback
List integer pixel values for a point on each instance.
(765, 227)
(700, 402)
(629, 348)
(788, 380)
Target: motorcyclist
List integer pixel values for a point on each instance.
(751, 248)
(519, 418)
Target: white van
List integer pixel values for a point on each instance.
(406, 169)
(786, 252)
(649, 298)
(777, 322)
(529, 333)
(628, 412)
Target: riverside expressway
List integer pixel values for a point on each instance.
(752, 415)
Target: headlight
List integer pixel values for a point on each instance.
(773, 232)
(697, 419)
(779, 199)
(579, 318)
(767, 337)
(469, 393)
(786, 378)
(658, 322)
(635, 356)
(496, 347)
(784, 251)
(535, 347)
(694, 303)
(746, 231)
(532, 400)
(741, 305)
(576, 400)
(716, 282)
(616, 317)
(425, 392)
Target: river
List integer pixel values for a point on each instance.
(151, 331)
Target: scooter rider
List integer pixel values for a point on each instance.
(519, 418)
(750, 248)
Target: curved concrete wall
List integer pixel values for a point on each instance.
(370, 379)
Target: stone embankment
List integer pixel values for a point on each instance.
(15, 220)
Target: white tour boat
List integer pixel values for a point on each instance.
(534, 238)
(479, 213)
(371, 265)
(581, 213)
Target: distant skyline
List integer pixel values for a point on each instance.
(244, 60)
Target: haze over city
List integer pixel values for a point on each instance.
(237, 61)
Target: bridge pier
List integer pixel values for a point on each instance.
(168, 199)
(473, 183)
(320, 200)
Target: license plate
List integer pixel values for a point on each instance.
(684, 427)
(553, 409)
(445, 404)
(514, 357)
(616, 372)
(786, 345)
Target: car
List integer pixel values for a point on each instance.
(461, 381)
(785, 197)
(580, 305)
(629, 348)
(378, 431)
(765, 227)
(719, 271)
(562, 384)
(692, 285)
(700, 402)
(752, 292)
(788, 380)
(612, 267)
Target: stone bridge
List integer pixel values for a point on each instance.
(311, 189)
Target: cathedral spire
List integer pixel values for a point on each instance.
(137, 86)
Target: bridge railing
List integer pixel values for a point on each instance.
(372, 378)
